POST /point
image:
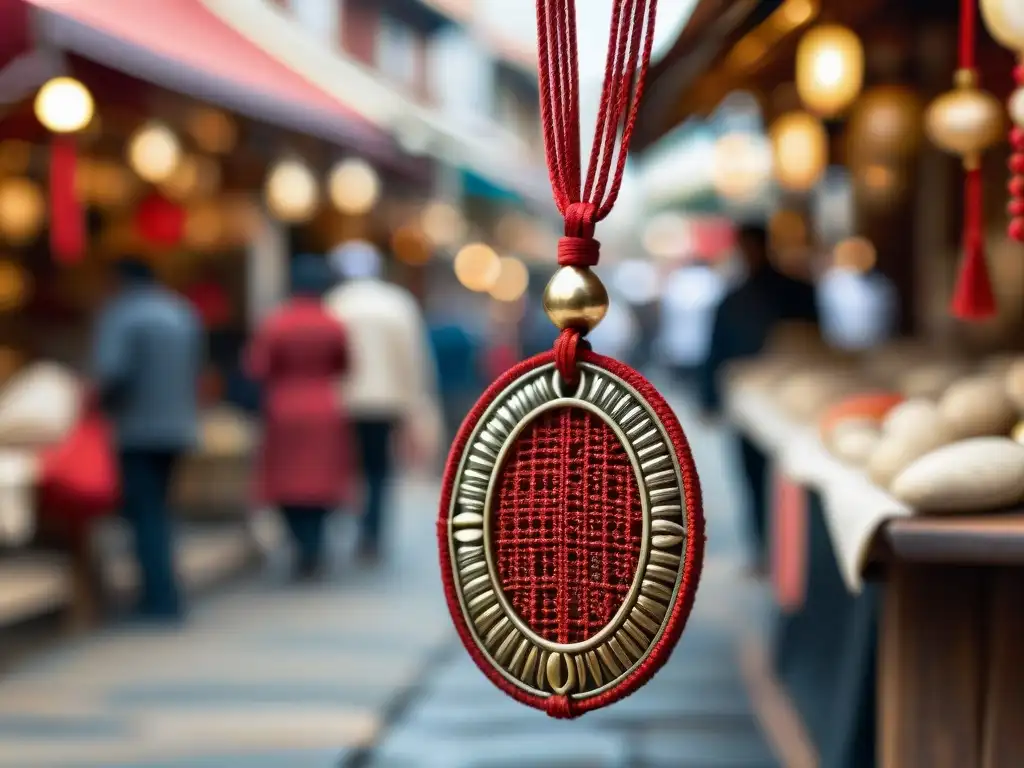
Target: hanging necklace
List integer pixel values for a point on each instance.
(570, 526)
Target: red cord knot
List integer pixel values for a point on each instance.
(578, 251)
(579, 248)
(560, 708)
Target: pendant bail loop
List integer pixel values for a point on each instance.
(568, 346)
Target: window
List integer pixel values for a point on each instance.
(398, 55)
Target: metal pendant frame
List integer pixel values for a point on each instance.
(623, 654)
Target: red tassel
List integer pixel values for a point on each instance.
(67, 223)
(973, 298)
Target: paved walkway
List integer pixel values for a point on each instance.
(364, 670)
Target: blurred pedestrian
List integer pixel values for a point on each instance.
(147, 362)
(743, 323)
(297, 356)
(392, 387)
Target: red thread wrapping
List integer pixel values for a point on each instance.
(693, 555)
(567, 525)
(567, 348)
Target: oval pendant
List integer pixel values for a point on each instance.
(571, 533)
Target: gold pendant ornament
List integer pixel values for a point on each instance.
(571, 533)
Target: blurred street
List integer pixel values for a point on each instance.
(365, 669)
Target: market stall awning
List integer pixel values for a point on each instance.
(182, 46)
(421, 129)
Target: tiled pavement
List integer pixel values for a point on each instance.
(266, 676)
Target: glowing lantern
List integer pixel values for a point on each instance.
(1005, 22)
(22, 209)
(291, 191)
(154, 152)
(885, 125)
(477, 267)
(354, 187)
(799, 151)
(64, 105)
(829, 69)
(512, 280)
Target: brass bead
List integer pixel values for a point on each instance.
(576, 298)
(965, 121)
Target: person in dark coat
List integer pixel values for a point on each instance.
(147, 360)
(297, 356)
(743, 324)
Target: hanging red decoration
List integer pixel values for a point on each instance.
(966, 121)
(67, 220)
(160, 222)
(570, 527)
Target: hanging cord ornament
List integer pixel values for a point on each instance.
(570, 526)
(966, 121)
(1005, 22)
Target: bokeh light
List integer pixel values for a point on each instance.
(212, 130)
(64, 105)
(443, 224)
(22, 210)
(477, 266)
(742, 166)
(354, 186)
(829, 69)
(855, 253)
(512, 280)
(885, 125)
(195, 176)
(15, 286)
(410, 245)
(291, 191)
(667, 235)
(799, 151)
(154, 152)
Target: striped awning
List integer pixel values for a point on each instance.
(182, 46)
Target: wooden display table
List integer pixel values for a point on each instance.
(951, 643)
(939, 623)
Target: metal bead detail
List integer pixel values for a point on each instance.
(576, 298)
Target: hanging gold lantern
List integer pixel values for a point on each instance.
(829, 69)
(885, 125)
(1005, 22)
(965, 121)
(799, 150)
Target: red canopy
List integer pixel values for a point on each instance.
(182, 46)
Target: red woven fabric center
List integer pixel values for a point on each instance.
(567, 525)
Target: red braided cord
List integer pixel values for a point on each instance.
(629, 54)
(972, 296)
(584, 202)
(968, 26)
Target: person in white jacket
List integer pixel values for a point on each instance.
(391, 386)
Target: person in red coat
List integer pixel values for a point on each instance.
(297, 356)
